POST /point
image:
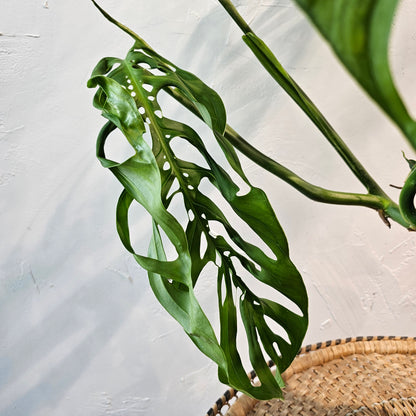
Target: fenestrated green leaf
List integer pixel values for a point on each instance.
(128, 97)
(358, 31)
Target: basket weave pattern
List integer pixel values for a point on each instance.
(360, 376)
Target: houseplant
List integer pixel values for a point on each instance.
(127, 96)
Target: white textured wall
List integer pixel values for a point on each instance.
(80, 332)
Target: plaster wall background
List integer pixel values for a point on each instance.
(80, 331)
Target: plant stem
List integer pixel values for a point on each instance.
(279, 74)
(382, 203)
(232, 11)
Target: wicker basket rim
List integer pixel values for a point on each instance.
(322, 352)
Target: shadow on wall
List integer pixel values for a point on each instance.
(285, 26)
(69, 303)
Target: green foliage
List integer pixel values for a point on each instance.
(127, 95)
(359, 31)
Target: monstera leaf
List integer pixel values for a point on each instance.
(127, 95)
(358, 31)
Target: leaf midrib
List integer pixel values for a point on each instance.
(171, 159)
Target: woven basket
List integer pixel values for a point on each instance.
(356, 376)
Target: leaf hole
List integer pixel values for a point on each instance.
(145, 65)
(133, 94)
(186, 151)
(203, 246)
(171, 68)
(157, 71)
(174, 188)
(244, 188)
(177, 208)
(147, 136)
(191, 215)
(169, 248)
(223, 291)
(185, 174)
(142, 110)
(159, 113)
(148, 87)
(206, 187)
(128, 80)
(278, 330)
(140, 226)
(130, 87)
(151, 98)
(117, 147)
(166, 166)
(242, 192)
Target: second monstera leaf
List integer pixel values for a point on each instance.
(358, 32)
